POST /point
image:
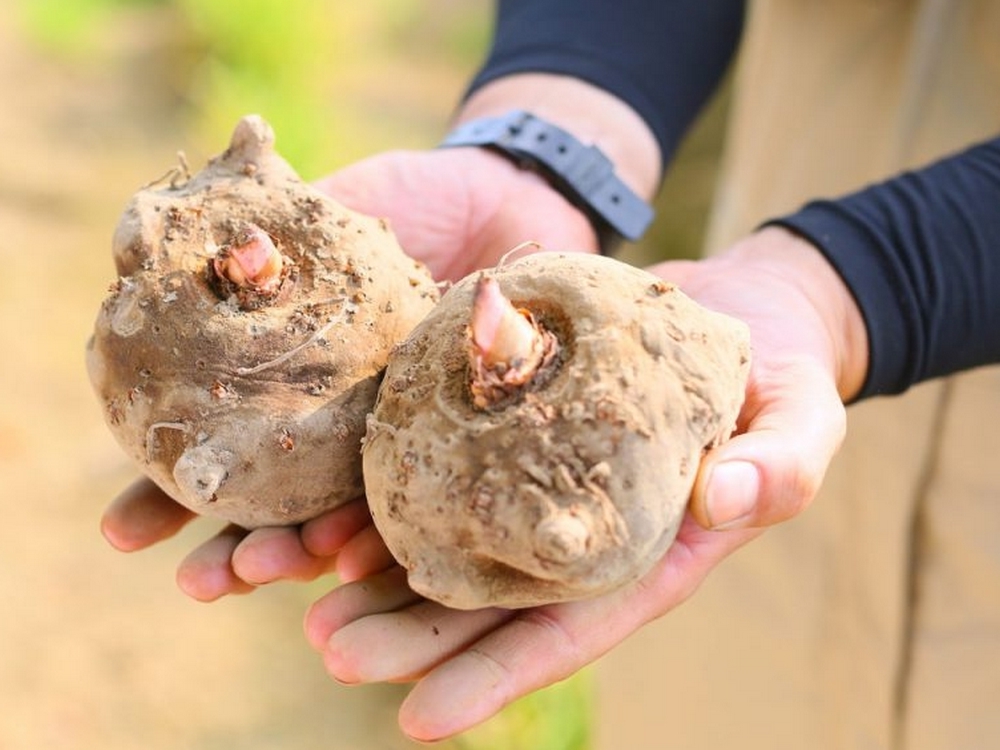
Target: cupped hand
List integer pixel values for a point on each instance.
(456, 210)
(809, 353)
(469, 664)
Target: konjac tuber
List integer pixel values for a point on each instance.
(241, 347)
(537, 436)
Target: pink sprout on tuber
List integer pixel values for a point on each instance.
(250, 268)
(507, 346)
(251, 259)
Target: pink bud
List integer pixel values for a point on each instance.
(507, 347)
(250, 260)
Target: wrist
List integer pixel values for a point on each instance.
(581, 173)
(589, 113)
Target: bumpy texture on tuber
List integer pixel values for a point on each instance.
(544, 449)
(241, 347)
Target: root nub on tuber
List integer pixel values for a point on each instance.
(241, 347)
(537, 436)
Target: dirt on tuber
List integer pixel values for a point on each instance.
(242, 344)
(536, 438)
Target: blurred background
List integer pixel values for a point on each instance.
(99, 649)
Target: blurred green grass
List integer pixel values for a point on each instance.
(339, 81)
(70, 27)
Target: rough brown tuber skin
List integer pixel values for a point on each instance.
(242, 345)
(574, 481)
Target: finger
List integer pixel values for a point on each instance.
(276, 553)
(207, 573)
(324, 535)
(142, 515)
(774, 469)
(364, 554)
(426, 632)
(383, 592)
(544, 645)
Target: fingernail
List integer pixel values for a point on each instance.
(732, 493)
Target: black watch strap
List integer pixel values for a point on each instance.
(582, 173)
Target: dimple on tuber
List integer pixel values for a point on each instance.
(241, 347)
(537, 436)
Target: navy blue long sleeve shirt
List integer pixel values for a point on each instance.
(920, 251)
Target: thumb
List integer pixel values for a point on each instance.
(794, 425)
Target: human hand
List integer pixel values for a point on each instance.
(457, 210)
(809, 355)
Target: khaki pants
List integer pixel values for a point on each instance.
(873, 619)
